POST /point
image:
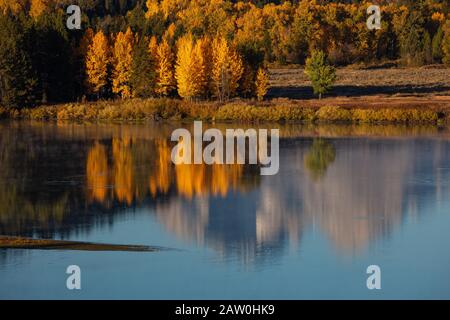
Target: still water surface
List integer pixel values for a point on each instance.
(345, 197)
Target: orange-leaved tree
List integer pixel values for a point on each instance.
(153, 48)
(123, 59)
(39, 7)
(190, 68)
(262, 83)
(97, 64)
(227, 69)
(13, 6)
(164, 69)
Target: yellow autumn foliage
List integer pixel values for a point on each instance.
(153, 48)
(152, 8)
(262, 84)
(97, 63)
(123, 173)
(165, 72)
(227, 69)
(190, 68)
(39, 7)
(123, 59)
(97, 173)
(13, 6)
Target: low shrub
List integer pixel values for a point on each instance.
(245, 111)
(330, 113)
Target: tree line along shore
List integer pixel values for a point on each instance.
(177, 59)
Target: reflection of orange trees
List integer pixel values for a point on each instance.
(225, 177)
(123, 170)
(97, 173)
(160, 180)
(139, 169)
(201, 179)
(190, 179)
(219, 183)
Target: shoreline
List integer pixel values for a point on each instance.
(11, 242)
(371, 109)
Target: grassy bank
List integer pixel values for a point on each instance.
(245, 111)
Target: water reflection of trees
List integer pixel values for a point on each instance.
(56, 180)
(319, 157)
(365, 194)
(23, 163)
(144, 168)
(51, 183)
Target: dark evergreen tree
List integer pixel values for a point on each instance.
(143, 74)
(17, 80)
(52, 58)
(427, 49)
(437, 45)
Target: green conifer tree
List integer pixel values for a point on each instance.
(143, 73)
(17, 79)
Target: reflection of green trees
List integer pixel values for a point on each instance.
(319, 157)
(22, 205)
(17, 213)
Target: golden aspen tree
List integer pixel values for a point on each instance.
(236, 68)
(4, 6)
(169, 34)
(189, 70)
(220, 72)
(166, 8)
(184, 67)
(201, 66)
(152, 8)
(262, 84)
(38, 7)
(200, 77)
(123, 59)
(251, 29)
(153, 54)
(165, 73)
(13, 6)
(227, 69)
(97, 64)
(171, 8)
(153, 48)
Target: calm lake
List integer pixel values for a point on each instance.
(345, 198)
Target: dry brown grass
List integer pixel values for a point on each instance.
(364, 82)
(427, 76)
